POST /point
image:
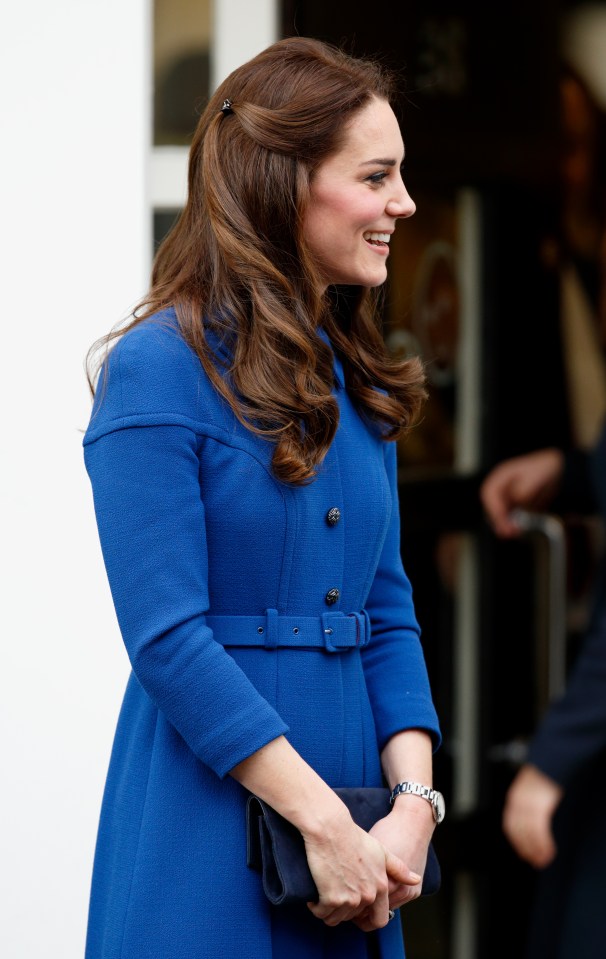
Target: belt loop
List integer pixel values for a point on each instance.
(271, 629)
(362, 628)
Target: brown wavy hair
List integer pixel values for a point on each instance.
(236, 268)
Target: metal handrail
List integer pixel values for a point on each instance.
(551, 602)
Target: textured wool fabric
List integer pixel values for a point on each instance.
(191, 523)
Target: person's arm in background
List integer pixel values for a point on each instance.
(530, 805)
(536, 481)
(527, 482)
(570, 737)
(574, 729)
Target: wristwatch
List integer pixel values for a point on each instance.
(433, 797)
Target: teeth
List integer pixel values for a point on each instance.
(378, 237)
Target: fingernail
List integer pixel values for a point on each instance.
(415, 875)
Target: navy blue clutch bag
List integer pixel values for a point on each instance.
(275, 847)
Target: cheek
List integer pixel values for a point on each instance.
(338, 218)
(359, 213)
(312, 235)
(326, 232)
(354, 210)
(373, 211)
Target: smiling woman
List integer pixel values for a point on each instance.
(246, 498)
(356, 200)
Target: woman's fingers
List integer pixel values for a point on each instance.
(402, 895)
(346, 900)
(355, 881)
(399, 894)
(332, 912)
(368, 921)
(397, 871)
(369, 903)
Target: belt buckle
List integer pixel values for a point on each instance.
(328, 623)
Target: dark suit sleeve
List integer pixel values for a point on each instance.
(583, 485)
(577, 492)
(573, 732)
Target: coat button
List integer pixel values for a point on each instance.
(332, 597)
(333, 516)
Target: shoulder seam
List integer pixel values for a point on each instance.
(154, 419)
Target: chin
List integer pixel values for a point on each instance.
(372, 281)
(368, 279)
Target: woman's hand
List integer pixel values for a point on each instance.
(406, 831)
(530, 804)
(408, 828)
(351, 869)
(354, 873)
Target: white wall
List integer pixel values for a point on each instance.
(74, 244)
(241, 30)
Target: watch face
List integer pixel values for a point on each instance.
(439, 806)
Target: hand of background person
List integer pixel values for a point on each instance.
(523, 482)
(354, 872)
(530, 804)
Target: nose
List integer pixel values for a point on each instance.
(400, 204)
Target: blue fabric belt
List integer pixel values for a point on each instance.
(334, 632)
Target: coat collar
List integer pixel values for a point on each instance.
(339, 373)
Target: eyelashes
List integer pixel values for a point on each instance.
(377, 179)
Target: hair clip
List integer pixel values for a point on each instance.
(226, 108)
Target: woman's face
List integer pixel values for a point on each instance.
(357, 194)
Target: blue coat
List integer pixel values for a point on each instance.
(221, 578)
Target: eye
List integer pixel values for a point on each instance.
(377, 178)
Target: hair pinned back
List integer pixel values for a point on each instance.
(235, 265)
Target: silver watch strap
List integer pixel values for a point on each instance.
(417, 789)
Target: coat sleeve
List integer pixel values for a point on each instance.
(144, 469)
(394, 664)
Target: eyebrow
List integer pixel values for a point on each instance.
(379, 162)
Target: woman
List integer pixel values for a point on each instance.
(246, 499)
